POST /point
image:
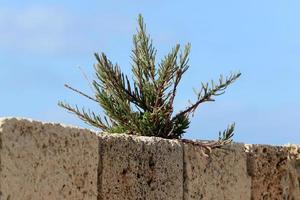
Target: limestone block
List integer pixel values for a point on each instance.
(294, 170)
(274, 174)
(140, 168)
(221, 175)
(47, 161)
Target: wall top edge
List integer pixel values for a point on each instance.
(5, 120)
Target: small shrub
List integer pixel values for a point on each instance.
(144, 105)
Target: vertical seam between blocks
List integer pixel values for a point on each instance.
(100, 169)
(183, 171)
(249, 173)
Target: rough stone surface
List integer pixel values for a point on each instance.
(141, 168)
(43, 161)
(294, 170)
(47, 161)
(274, 173)
(220, 175)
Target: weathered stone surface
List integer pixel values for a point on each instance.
(294, 171)
(274, 173)
(140, 168)
(221, 175)
(46, 161)
(49, 161)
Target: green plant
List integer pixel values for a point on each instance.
(144, 105)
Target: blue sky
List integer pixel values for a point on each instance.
(43, 44)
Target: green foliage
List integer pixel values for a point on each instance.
(144, 105)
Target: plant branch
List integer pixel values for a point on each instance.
(81, 93)
(93, 120)
(206, 93)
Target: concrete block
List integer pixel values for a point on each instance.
(274, 173)
(47, 161)
(140, 168)
(221, 175)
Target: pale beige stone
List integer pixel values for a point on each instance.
(274, 173)
(220, 175)
(47, 161)
(294, 171)
(140, 168)
(40, 161)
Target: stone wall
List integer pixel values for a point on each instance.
(43, 161)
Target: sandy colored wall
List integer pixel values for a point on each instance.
(49, 161)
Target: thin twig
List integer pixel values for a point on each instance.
(79, 92)
(86, 78)
(209, 145)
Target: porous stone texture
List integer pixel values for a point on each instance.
(274, 173)
(294, 170)
(221, 175)
(140, 168)
(42, 161)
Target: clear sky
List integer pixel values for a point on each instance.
(43, 44)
